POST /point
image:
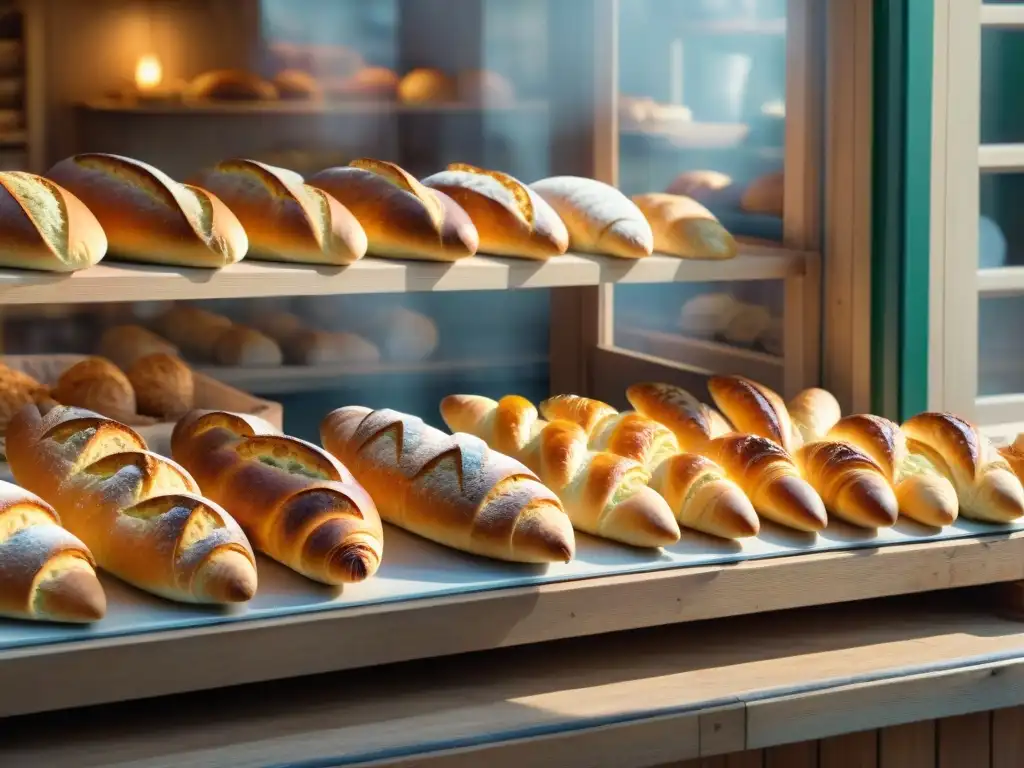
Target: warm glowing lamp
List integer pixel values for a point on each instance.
(148, 73)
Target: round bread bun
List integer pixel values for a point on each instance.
(765, 195)
(230, 85)
(247, 348)
(97, 385)
(426, 86)
(164, 386)
(296, 85)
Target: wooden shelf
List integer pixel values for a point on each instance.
(113, 281)
(308, 108)
(668, 695)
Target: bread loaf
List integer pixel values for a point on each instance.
(193, 330)
(426, 86)
(813, 412)
(703, 186)
(294, 501)
(598, 217)
(97, 385)
(45, 227)
(765, 195)
(921, 492)
(325, 348)
(294, 84)
(603, 494)
(985, 484)
(401, 217)
(124, 344)
(366, 83)
(683, 227)
(285, 218)
(754, 409)
(851, 485)
(692, 422)
(149, 217)
(510, 218)
(164, 386)
(46, 574)
(17, 390)
(230, 85)
(278, 325)
(449, 489)
(246, 348)
(140, 514)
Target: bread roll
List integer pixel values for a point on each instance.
(402, 218)
(765, 195)
(149, 217)
(98, 385)
(603, 494)
(295, 502)
(747, 324)
(426, 86)
(599, 218)
(683, 227)
(46, 573)
(193, 330)
(753, 409)
(367, 83)
(124, 344)
(230, 85)
(45, 227)
(690, 420)
(703, 186)
(408, 336)
(449, 489)
(294, 84)
(510, 218)
(246, 348)
(280, 326)
(986, 486)
(17, 390)
(140, 514)
(285, 218)
(851, 485)
(813, 413)
(708, 315)
(163, 384)
(326, 348)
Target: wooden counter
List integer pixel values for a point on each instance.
(643, 698)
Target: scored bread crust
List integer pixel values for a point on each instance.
(45, 227)
(451, 489)
(149, 217)
(402, 218)
(511, 219)
(754, 409)
(285, 218)
(691, 421)
(296, 503)
(599, 218)
(683, 227)
(140, 514)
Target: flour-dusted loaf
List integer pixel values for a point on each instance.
(683, 227)
(451, 489)
(402, 218)
(140, 514)
(46, 573)
(45, 227)
(148, 216)
(599, 218)
(285, 218)
(296, 503)
(511, 219)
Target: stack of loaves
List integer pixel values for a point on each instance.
(93, 203)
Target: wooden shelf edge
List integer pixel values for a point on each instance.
(1011, 15)
(1001, 158)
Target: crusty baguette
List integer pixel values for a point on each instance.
(697, 490)
(754, 409)
(923, 494)
(813, 412)
(285, 218)
(986, 486)
(401, 217)
(124, 344)
(149, 217)
(451, 489)
(46, 573)
(164, 386)
(852, 486)
(691, 421)
(603, 494)
(599, 218)
(511, 219)
(45, 227)
(140, 514)
(683, 227)
(295, 502)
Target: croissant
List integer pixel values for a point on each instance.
(603, 494)
(754, 409)
(449, 488)
(850, 483)
(295, 502)
(922, 493)
(140, 514)
(985, 484)
(693, 423)
(813, 413)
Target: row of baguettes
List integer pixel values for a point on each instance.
(93, 202)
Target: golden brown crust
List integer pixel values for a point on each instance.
(703, 498)
(295, 84)
(124, 344)
(98, 385)
(813, 413)
(851, 485)
(246, 348)
(193, 330)
(163, 384)
(426, 86)
(765, 195)
(17, 389)
(230, 85)
(688, 418)
(753, 409)
(683, 227)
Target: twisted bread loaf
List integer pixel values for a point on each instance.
(692, 422)
(604, 494)
(45, 572)
(449, 488)
(754, 409)
(813, 413)
(696, 489)
(295, 502)
(140, 514)
(985, 484)
(921, 492)
(850, 483)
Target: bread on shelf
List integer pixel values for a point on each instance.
(706, 187)
(297, 85)
(98, 385)
(140, 514)
(683, 227)
(692, 422)
(851, 485)
(163, 384)
(229, 85)
(402, 218)
(296, 503)
(603, 494)
(813, 412)
(599, 218)
(510, 218)
(285, 218)
(124, 344)
(45, 227)
(17, 389)
(193, 330)
(310, 347)
(368, 83)
(149, 217)
(765, 195)
(246, 348)
(426, 86)
(46, 573)
(451, 489)
(754, 409)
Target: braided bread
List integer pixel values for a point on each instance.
(45, 572)
(604, 494)
(140, 514)
(449, 489)
(294, 501)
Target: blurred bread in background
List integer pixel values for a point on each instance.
(426, 86)
(765, 195)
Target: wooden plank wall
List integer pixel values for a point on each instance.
(978, 740)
